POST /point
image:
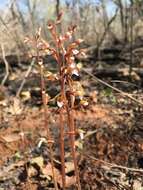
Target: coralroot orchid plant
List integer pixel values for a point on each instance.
(64, 53)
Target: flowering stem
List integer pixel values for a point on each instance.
(62, 148)
(62, 145)
(45, 116)
(72, 131)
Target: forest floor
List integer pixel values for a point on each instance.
(109, 141)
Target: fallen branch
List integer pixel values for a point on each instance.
(118, 72)
(25, 77)
(112, 165)
(112, 87)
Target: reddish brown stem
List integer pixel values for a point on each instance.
(46, 123)
(62, 145)
(62, 135)
(62, 148)
(72, 132)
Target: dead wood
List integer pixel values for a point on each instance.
(120, 72)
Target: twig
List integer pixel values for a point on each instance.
(124, 82)
(114, 88)
(112, 165)
(25, 77)
(6, 65)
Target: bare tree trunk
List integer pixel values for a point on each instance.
(105, 16)
(76, 12)
(126, 23)
(131, 37)
(57, 7)
(122, 17)
(32, 9)
(20, 17)
(57, 14)
(105, 32)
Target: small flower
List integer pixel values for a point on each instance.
(22, 135)
(73, 65)
(75, 51)
(81, 133)
(41, 141)
(68, 35)
(60, 104)
(48, 52)
(78, 89)
(50, 26)
(75, 72)
(79, 65)
(84, 102)
(72, 58)
(27, 40)
(40, 45)
(40, 62)
(79, 41)
(61, 38)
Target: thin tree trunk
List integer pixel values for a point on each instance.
(131, 38)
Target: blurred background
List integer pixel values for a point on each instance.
(100, 22)
(112, 31)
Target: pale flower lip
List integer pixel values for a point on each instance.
(75, 72)
(41, 141)
(72, 58)
(81, 136)
(73, 65)
(60, 104)
(48, 52)
(84, 102)
(50, 26)
(80, 40)
(68, 35)
(75, 51)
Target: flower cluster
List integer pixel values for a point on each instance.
(64, 51)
